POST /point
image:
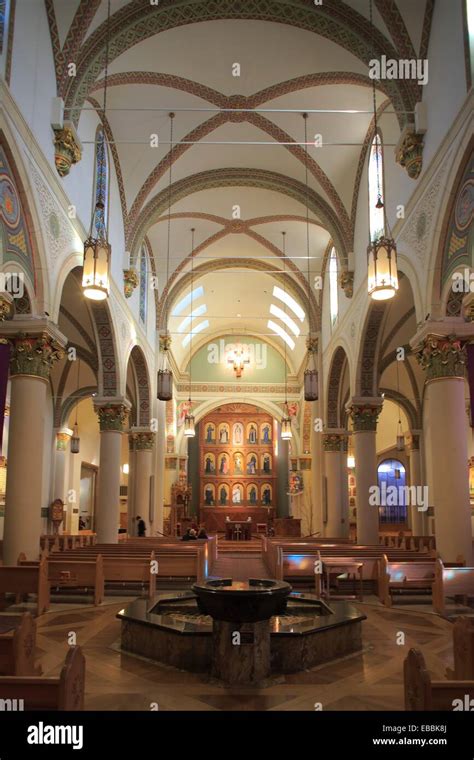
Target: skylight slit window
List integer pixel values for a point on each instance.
(282, 333)
(187, 320)
(199, 328)
(287, 320)
(181, 305)
(290, 302)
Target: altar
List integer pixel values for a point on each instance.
(214, 518)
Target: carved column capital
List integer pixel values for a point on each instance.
(33, 353)
(364, 413)
(412, 440)
(130, 281)
(333, 441)
(141, 440)
(63, 437)
(409, 152)
(113, 414)
(441, 356)
(67, 149)
(346, 282)
(165, 342)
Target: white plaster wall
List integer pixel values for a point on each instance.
(33, 81)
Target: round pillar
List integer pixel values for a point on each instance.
(112, 418)
(160, 468)
(445, 427)
(364, 418)
(316, 467)
(143, 441)
(416, 515)
(31, 360)
(61, 472)
(332, 442)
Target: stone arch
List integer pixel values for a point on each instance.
(136, 21)
(298, 289)
(205, 407)
(334, 417)
(367, 365)
(28, 241)
(410, 410)
(143, 387)
(239, 177)
(454, 222)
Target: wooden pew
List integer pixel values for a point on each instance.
(421, 693)
(404, 576)
(65, 692)
(17, 645)
(66, 572)
(27, 580)
(463, 649)
(451, 582)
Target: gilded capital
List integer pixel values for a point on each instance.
(441, 356)
(412, 441)
(333, 442)
(112, 416)
(165, 342)
(141, 440)
(346, 282)
(67, 150)
(364, 416)
(62, 439)
(409, 153)
(34, 355)
(130, 281)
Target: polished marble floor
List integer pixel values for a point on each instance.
(370, 680)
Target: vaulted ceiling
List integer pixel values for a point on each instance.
(294, 57)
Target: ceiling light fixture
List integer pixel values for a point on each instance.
(310, 381)
(97, 250)
(382, 275)
(189, 429)
(286, 433)
(165, 375)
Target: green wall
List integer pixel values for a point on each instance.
(209, 365)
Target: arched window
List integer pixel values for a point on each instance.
(333, 285)
(376, 215)
(143, 284)
(101, 184)
(391, 477)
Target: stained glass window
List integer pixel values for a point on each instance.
(143, 284)
(333, 285)
(376, 215)
(101, 184)
(3, 23)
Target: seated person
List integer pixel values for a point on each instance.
(190, 535)
(202, 533)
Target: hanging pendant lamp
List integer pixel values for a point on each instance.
(165, 376)
(286, 433)
(75, 440)
(189, 430)
(382, 274)
(311, 381)
(97, 249)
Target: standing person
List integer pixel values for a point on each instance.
(141, 527)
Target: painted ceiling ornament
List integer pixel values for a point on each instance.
(441, 356)
(67, 149)
(409, 152)
(130, 281)
(347, 282)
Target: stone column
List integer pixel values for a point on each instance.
(32, 357)
(113, 414)
(160, 468)
(364, 413)
(61, 472)
(443, 358)
(316, 468)
(143, 440)
(412, 445)
(345, 523)
(332, 442)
